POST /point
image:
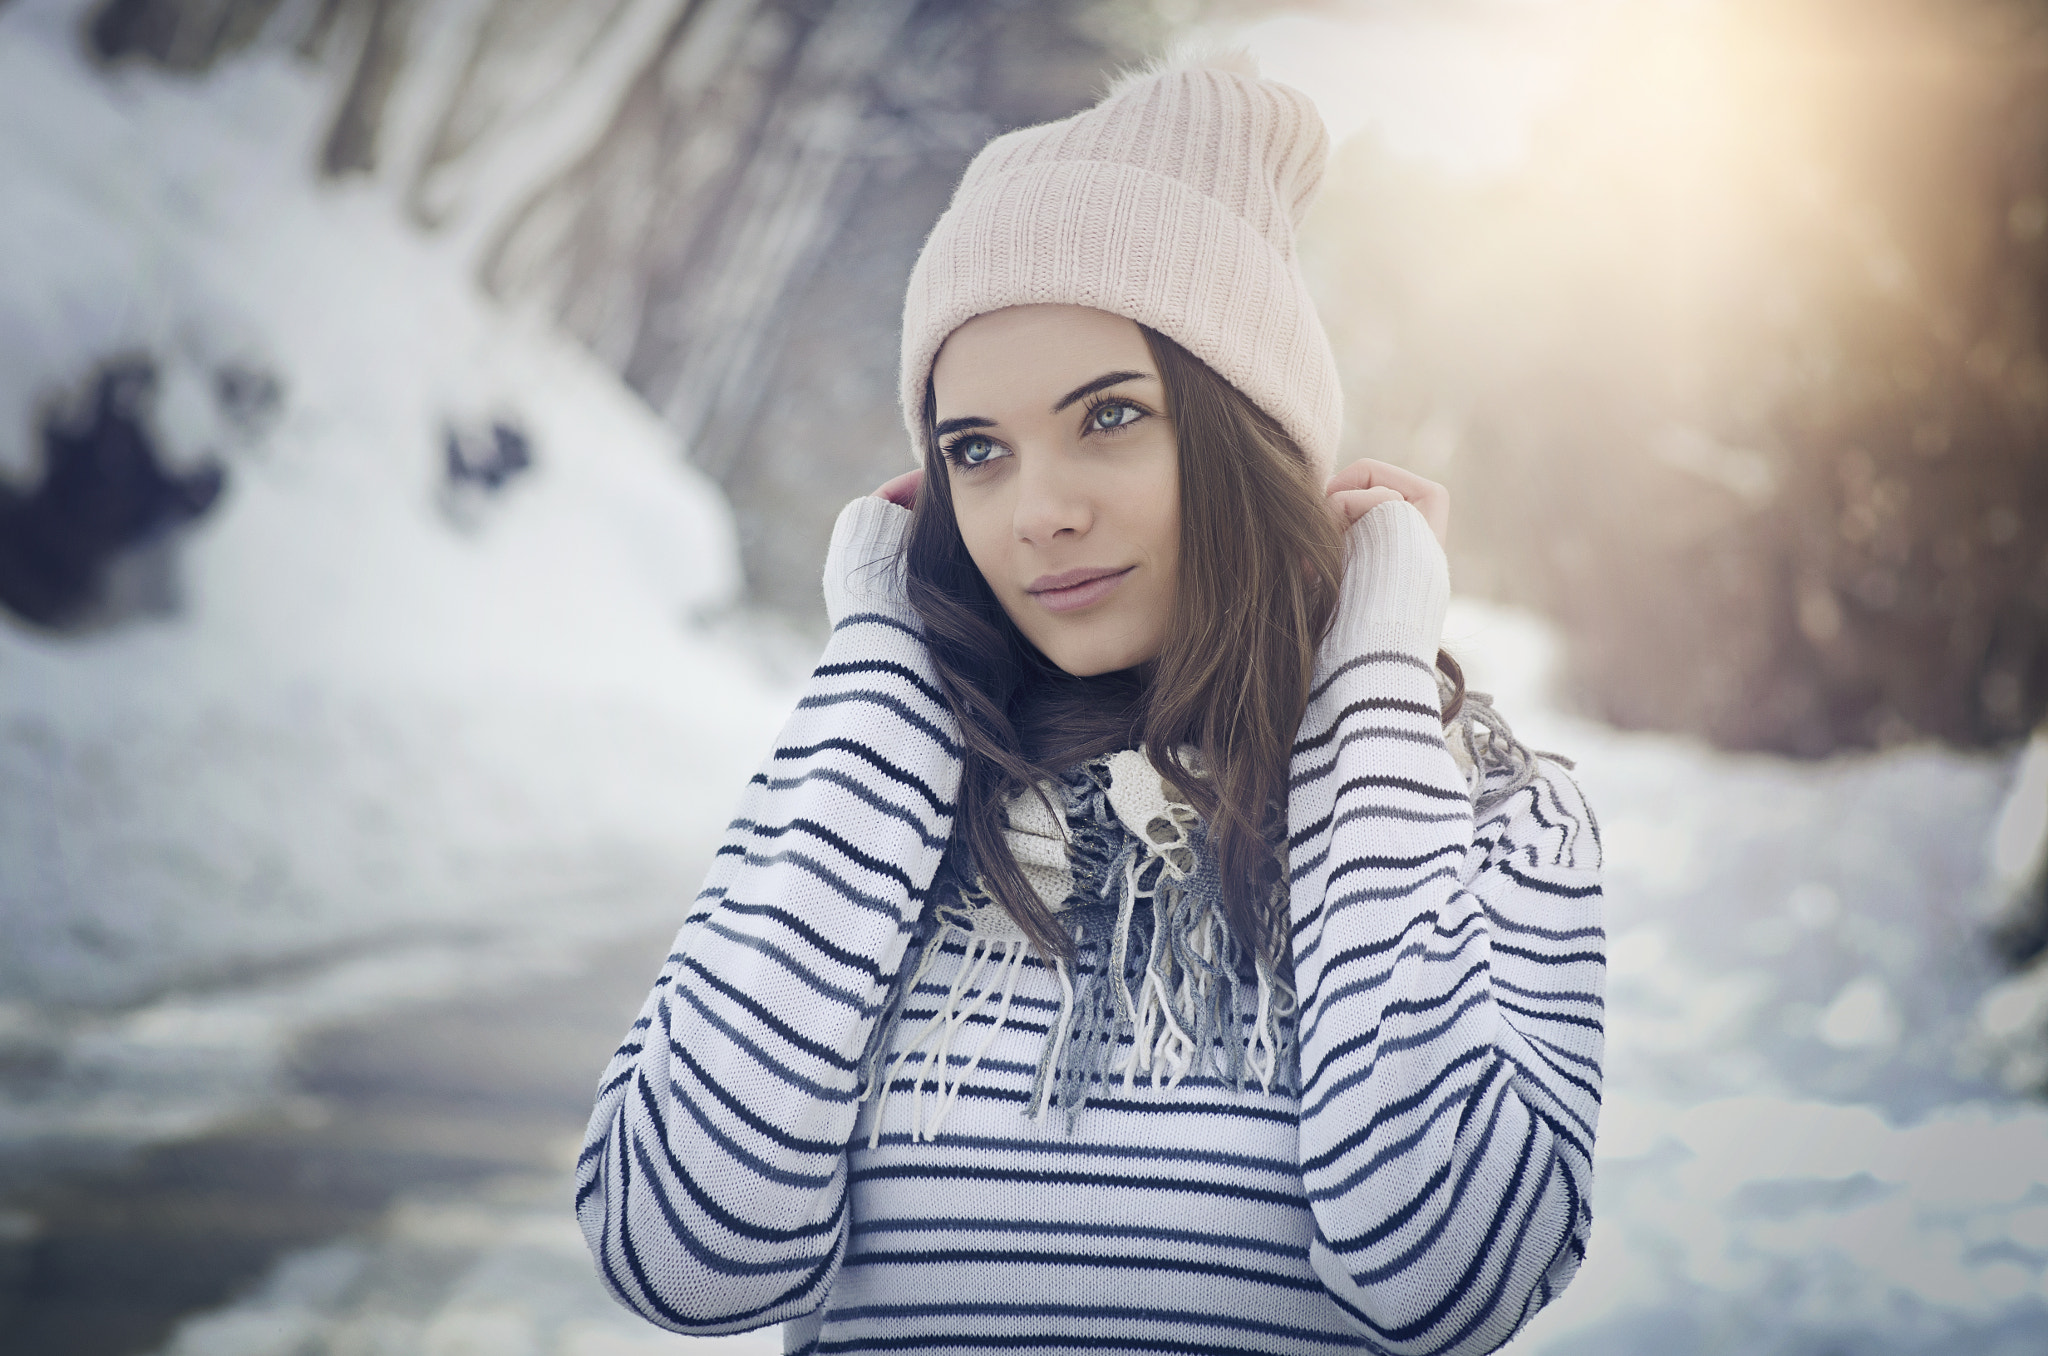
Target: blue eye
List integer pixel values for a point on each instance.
(973, 450)
(1113, 414)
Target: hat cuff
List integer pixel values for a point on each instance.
(1139, 244)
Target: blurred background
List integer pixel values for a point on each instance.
(420, 426)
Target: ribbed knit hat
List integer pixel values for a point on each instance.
(1172, 202)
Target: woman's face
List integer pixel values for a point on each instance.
(1065, 476)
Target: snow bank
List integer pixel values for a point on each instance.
(391, 743)
(1799, 1152)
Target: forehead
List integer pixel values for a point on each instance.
(1023, 358)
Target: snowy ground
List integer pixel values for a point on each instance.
(1799, 1151)
(386, 754)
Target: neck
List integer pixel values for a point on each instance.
(1062, 720)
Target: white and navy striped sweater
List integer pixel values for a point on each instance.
(1426, 1190)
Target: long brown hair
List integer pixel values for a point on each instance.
(1261, 564)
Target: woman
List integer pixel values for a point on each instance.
(1112, 953)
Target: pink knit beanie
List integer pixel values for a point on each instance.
(1173, 202)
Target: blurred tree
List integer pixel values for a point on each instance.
(1741, 377)
(736, 240)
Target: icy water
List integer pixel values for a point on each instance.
(385, 1129)
(409, 1195)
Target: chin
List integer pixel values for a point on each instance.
(1092, 661)
(1075, 668)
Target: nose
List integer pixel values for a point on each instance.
(1052, 500)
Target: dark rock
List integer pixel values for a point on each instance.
(249, 398)
(104, 494)
(477, 463)
(486, 459)
(2021, 933)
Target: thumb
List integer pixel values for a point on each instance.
(1348, 506)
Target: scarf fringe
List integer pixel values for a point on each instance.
(1156, 990)
(1484, 745)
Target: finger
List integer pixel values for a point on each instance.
(1368, 473)
(1348, 506)
(1437, 513)
(1433, 499)
(903, 489)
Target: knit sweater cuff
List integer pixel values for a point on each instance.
(1397, 586)
(864, 565)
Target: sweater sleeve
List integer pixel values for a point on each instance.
(712, 1182)
(1451, 978)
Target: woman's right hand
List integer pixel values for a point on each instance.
(1364, 485)
(902, 491)
(864, 564)
(1397, 600)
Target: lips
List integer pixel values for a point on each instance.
(1076, 588)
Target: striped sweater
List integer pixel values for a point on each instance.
(1424, 1189)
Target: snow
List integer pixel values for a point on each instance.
(381, 757)
(1801, 1151)
(391, 745)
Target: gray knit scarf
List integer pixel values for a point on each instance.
(1157, 974)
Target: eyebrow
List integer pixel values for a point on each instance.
(1089, 388)
(1081, 392)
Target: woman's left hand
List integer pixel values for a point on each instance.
(902, 490)
(1366, 484)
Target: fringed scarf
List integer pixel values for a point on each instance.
(1114, 850)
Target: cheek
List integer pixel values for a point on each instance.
(1166, 552)
(1155, 521)
(981, 529)
(1163, 533)
(1150, 521)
